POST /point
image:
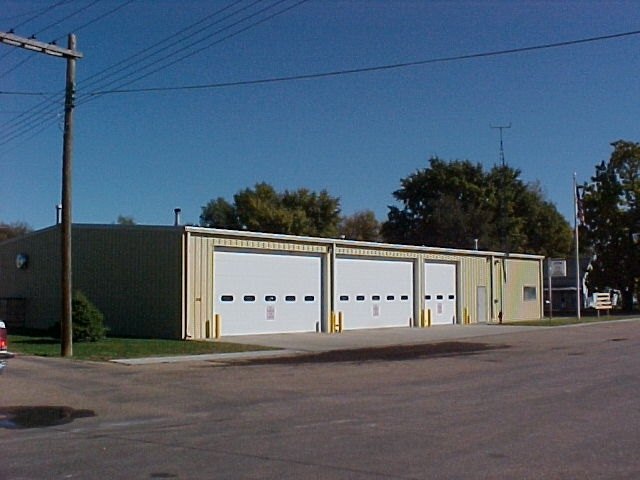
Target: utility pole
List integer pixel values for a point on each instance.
(501, 197)
(71, 54)
(577, 219)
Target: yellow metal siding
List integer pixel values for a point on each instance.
(268, 245)
(472, 271)
(375, 253)
(521, 273)
(199, 316)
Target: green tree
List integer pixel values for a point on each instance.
(11, 230)
(361, 226)
(125, 220)
(441, 206)
(611, 212)
(262, 209)
(219, 213)
(457, 204)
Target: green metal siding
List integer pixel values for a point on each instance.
(133, 275)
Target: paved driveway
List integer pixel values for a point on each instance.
(556, 403)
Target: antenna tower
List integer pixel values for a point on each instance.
(501, 128)
(503, 210)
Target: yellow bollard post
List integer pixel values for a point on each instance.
(464, 316)
(421, 324)
(332, 322)
(207, 329)
(218, 325)
(428, 317)
(340, 319)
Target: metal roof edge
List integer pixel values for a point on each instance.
(357, 243)
(293, 238)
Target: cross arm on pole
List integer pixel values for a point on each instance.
(37, 46)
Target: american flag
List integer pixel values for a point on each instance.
(579, 205)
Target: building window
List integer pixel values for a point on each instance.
(360, 298)
(270, 298)
(529, 294)
(290, 298)
(309, 298)
(375, 298)
(344, 298)
(249, 298)
(226, 298)
(391, 297)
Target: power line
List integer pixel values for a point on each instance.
(179, 54)
(17, 126)
(72, 14)
(47, 108)
(57, 22)
(40, 13)
(158, 47)
(378, 67)
(101, 16)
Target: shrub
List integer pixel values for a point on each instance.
(88, 321)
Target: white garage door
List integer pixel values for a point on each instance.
(266, 293)
(440, 292)
(374, 293)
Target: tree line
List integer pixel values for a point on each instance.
(453, 204)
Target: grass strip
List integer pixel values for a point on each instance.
(560, 321)
(116, 347)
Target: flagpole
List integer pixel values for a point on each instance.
(576, 199)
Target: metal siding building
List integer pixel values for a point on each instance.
(192, 282)
(132, 274)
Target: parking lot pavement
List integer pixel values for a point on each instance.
(552, 403)
(292, 344)
(318, 342)
(296, 344)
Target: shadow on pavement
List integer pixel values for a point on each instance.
(390, 353)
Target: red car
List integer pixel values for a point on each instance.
(4, 353)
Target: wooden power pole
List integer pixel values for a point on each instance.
(71, 54)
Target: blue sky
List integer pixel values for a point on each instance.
(143, 153)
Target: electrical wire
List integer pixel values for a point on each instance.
(57, 22)
(227, 37)
(72, 14)
(40, 13)
(158, 47)
(377, 67)
(99, 17)
(47, 108)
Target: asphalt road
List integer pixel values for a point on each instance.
(557, 403)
